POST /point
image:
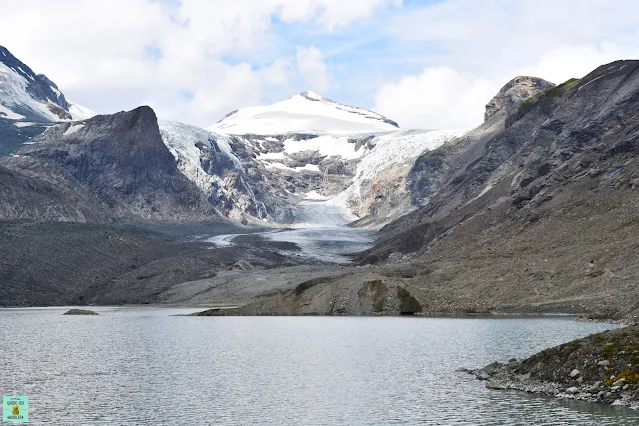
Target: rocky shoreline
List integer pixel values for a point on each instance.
(601, 368)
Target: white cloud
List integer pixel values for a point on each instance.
(441, 97)
(438, 98)
(312, 69)
(98, 52)
(217, 56)
(564, 62)
(485, 44)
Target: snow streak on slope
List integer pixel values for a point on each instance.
(79, 112)
(306, 113)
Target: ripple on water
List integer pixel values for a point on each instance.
(143, 366)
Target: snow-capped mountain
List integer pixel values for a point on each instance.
(306, 159)
(26, 95)
(307, 113)
(30, 102)
(306, 154)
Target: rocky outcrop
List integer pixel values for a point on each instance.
(110, 166)
(296, 292)
(439, 168)
(514, 93)
(601, 368)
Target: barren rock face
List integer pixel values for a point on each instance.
(514, 93)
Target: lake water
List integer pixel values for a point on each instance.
(142, 366)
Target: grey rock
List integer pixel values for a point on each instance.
(483, 376)
(523, 377)
(514, 93)
(575, 373)
(572, 390)
(492, 367)
(495, 385)
(241, 265)
(114, 166)
(619, 382)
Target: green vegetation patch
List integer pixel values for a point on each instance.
(543, 100)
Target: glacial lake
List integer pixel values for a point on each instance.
(143, 366)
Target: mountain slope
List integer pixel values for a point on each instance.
(545, 212)
(209, 160)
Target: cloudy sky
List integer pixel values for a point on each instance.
(423, 63)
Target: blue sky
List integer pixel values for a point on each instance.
(423, 63)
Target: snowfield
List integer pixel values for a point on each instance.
(306, 112)
(79, 112)
(72, 129)
(325, 145)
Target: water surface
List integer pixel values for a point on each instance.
(142, 366)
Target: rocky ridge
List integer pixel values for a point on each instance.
(109, 166)
(29, 103)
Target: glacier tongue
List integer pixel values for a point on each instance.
(309, 214)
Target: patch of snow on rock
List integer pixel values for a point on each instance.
(72, 129)
(23, 123)
(7, 113)
(79, 112)
(325, 145)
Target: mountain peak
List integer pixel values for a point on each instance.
(514, 93)
(32, 97)
(312, 96)
(306, 112)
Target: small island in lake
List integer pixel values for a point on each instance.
(80, 312)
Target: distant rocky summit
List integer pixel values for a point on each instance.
(29, 103)
(80, 312)
(514, 93)
(603, 367)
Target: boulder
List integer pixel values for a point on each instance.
(495, 385)
(241, 265)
